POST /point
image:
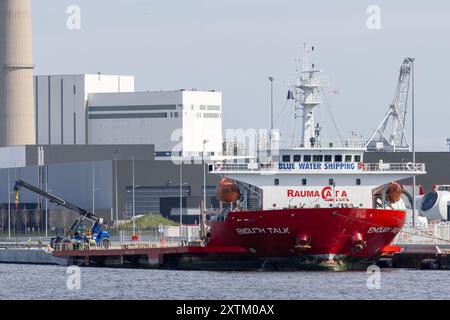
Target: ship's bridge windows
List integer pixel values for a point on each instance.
(328, 158)
(348, 158)
(357, 158)
(317, 158)
(297, 158)
(286, 158)
(338, 158)
(307, 158)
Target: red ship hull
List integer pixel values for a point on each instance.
(322, 234)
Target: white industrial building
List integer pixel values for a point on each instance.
(61, 104)
(105, 109)
(171, 120)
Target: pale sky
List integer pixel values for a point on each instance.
(233, 46)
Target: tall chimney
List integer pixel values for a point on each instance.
(17, 115)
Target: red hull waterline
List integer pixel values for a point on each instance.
(330, 238)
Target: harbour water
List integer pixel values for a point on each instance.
(50, 282)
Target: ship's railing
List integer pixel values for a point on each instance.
(219, 167)
(361, 167)
(430, 234)
(403, 167)
(321, 81)
(355, 143)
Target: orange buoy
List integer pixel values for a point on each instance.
(227, 191)
(393, 192)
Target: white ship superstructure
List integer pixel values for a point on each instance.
(318, 178)
(316, 174)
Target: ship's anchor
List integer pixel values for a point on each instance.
(358, 242)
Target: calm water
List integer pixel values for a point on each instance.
(50, 282)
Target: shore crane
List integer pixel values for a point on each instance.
(77, 234)
(390, 134)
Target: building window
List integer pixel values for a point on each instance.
(175, 114)
(286, 158)
(213, 108)
(304, 182)
(192, 107)
(338, 158)
(357, 158)
(317, 158)
(276, 182)
(348, 158)
(202, 107)
(328, 158)
(211, 115)
(331, 182)
(297, 158)
(307, 158)
(358, 182)
(123, 116)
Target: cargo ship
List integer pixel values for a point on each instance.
(316, 205)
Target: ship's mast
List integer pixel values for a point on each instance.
(308, 98)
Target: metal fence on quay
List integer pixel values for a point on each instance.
(116, 245)
(113, 245)
(438, 233)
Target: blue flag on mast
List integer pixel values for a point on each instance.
(290, 95)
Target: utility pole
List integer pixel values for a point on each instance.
(134, 201)
(413, 142)
(9, 203)
(46, 202)
(116, 158)
(271, 103)
(181, 195)
(93, 187)
(204, 175)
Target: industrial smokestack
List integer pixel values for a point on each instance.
(17, 115)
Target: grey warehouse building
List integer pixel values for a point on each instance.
(100, 178)
(436, 164)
